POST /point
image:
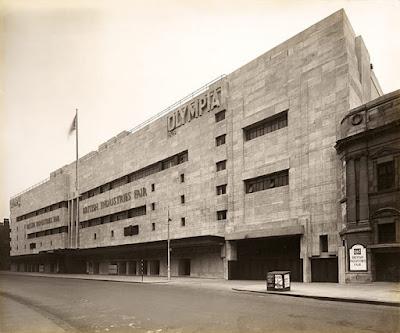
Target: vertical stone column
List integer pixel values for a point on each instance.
(230, 255)
(351, 191)
(363, 190)
(342, 264)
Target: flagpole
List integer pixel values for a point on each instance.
(76, 182)
(169, 250)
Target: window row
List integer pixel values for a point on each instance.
(123, 215)
(48, 232)
(134, 229)
(62, 204)
(266, 182)
(147, 171)
(266, 126)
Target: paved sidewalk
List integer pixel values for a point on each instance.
(382, 293)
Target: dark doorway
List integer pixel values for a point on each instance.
(184, 267)
(154, 267)
(122, 268)
(258, 256)
(132, 268)
(96, 268)
(324, 270)
(387, 266)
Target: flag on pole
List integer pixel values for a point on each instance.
(73, 126)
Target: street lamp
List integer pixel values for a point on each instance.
(168, 249)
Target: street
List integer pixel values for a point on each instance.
(104, 306)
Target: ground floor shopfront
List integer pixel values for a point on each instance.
(206, 257)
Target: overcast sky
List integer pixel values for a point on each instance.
(120, 62)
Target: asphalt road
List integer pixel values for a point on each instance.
(103, 306)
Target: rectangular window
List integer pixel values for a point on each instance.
(385, 173)
(220, 116)
(183, 221)
(153, 187)
(266, 182)
(182, 177)
(266, 126)
(221, 215)
(153, 226)
(183, 157)
(387, 233)
(94, 236)
(112, 233)
(135, 230)
(31, 246)
(221, 189)
(131, 230)
(105, 187)
(221, 165)
(323, 243)
(220, 140)
(153, 206)
(182, 199)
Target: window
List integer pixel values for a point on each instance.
(221, 215)
(183, 157)
(183, 221)
(153, 206)
(153, 226)
(51, 243)
(221, 165)
(266, 182)
(385, 173)
(182, 199)
(105, 187)
(182, 177)
(387, 233)
(323, 243)
(265, 126)
(31, 246)
(131, 230)
(221, 189)
(135, 230)
(220, 116)
(220, 140)
(112, 233)
(153, 187)
(94, 236)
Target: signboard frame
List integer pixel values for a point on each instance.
(351, 261)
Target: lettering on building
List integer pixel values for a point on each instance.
(194, 109)
(42, 222)
(139, 193)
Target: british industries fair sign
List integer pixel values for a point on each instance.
(358, 258)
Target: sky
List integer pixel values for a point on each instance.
(120, 62)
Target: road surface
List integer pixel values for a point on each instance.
(104, 306)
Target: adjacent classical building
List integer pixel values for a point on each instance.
(369, 148)
(244, 175)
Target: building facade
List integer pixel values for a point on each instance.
(244, 176)
(369, 148)
(5, 245)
